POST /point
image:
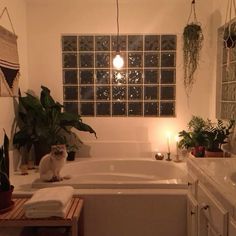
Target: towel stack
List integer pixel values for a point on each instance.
(47, 202)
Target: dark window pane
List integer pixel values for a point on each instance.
(86, 77)
(119, 77)
(152, 42)
(150, 109)
(69, 60)
(122, 43)
(103, 60)
(150, 92)
(135, 76)
(70, 76)
(135, 109)
(103, 76)
(167, 109)
(103, 109)
(103, 93)
(69, 43)
(86, 93)
(151, 59)
(70, 93)
(102, 43)
(86, 60)
(135, 42)
(135, 93)
(118, 93)
(119, 109)
(151, 77)
(167, 76)
(168, 59)
(167, 92)
(87, 109)
(71, 107)
(168, 42)
(135, 59)
(86, 43)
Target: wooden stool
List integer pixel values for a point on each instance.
(16, 217)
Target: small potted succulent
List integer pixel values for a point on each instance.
(6, 188)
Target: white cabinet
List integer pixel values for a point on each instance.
(206, 216)
(192, 215)
(212, 216)
(232, 227)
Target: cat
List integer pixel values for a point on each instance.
(51, 164)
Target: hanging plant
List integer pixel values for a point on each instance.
(229, 34)
(192, 45)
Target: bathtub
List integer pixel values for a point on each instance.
(121, 173)
(129, 197)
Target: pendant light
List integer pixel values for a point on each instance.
(118, 61)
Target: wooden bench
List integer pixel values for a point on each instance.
(16, 217)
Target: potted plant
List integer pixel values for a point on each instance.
(194, 138)
(6, 188)
(216, 134)
(192, 45)
(43, 123)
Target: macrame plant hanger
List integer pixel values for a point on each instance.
(5, 10)
(229, 33)
(192, 11)
(9, 59)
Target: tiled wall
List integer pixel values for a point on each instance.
(145, 86)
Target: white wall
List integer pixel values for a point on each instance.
(17, 11)
(47, 20)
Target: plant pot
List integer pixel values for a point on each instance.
(71, 156)
(5, 199)
(214, 154)
(40, 149)
(198, 151)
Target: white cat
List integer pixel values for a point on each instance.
(51, 164)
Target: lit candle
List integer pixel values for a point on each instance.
(168, 142)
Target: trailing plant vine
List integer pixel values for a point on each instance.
(192, 45)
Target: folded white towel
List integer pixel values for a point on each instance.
(47, 213)
(50, 198)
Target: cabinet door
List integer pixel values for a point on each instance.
(232, 228)
(192, 215)
(210, 212)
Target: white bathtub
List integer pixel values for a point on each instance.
(122, 173)
(129, 197)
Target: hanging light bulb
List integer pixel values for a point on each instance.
(118, 61)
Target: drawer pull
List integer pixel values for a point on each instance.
(205, 207)
(192, 213)
(189, 184)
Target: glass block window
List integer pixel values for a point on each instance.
(144, 87)
(226, 78)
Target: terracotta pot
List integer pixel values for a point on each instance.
(5, 198)
(198, 151)
(214, 154)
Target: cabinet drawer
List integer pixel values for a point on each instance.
(209, 208)
(192, 184)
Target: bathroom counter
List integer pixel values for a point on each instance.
(219, 176)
